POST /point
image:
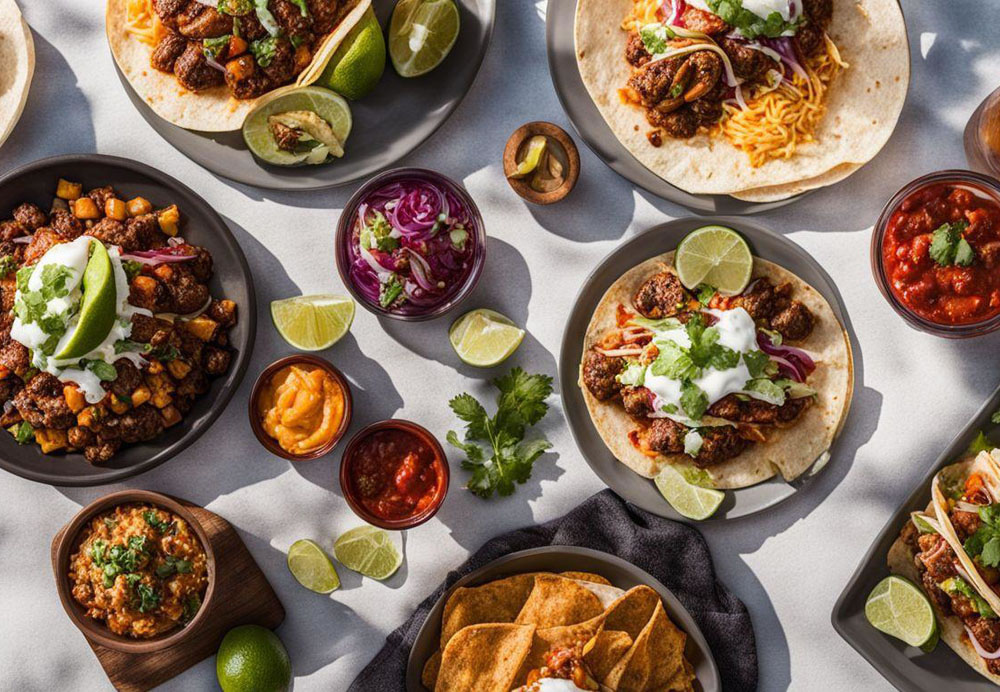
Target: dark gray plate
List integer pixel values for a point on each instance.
(559, 558)
(657, 240)
(906, 667)
(36, 183)
(389, 123)
(560, 19)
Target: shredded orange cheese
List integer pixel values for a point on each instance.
(643, 12)
(142, 21)
(776, 122)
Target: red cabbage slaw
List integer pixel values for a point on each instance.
(793, 362)
(412, 245)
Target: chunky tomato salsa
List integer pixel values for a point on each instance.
(941, 253)
(396, 474)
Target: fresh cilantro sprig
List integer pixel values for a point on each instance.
(520, 405)
(985, 542)
(949, 246)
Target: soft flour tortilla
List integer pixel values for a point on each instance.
(17, 65)
(213, 110)
(788, 451)
(901, 562)
(863, 104)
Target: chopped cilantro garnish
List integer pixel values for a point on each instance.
(705, 293)
(173, 565)
(985, 542)
(23, 432)
(693, 400)
(7, 264)
(980, 444)
(132, 269)
(748, 23)
(105, 372)
(757, 362)
(148, 598)
(654, 38)
(214, 47)
(949, 246)
(235, 7)
(154, 521)
(264, 49)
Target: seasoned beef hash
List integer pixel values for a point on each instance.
(169, 336)
(139, 568)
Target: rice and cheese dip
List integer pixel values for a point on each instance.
(141, 569)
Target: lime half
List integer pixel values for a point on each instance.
(691, 501)
(98, 307)
(370, 551)
(312, 323)
(311, 567)
(327, 105)
(484, 338)
(421, 34)
(357, 65)
(717, 256)
(251, 658)
(898, 607)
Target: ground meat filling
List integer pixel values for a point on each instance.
(637, 401)
(935, 562)
(600, 374)
(636, 54)
(719, 443)
(661, 295)
(774, 308)
(757, 412)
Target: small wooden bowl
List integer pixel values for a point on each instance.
(521, 185)
(354, 502)
(96, 630)
(257, 426)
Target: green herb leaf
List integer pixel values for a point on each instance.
(995, 418)
(980, 444)
(693, 400)
(945, 244)
(148, 598)
(520, 404)
(654, 38)
(23, 432)
(105, 372)
(154, 520)
(264, 50)
(214, 47)
(301, 4)
(237, 8)
(756, 362)
(390, 291)
(765, 390)
(705, 293)
(985, 542)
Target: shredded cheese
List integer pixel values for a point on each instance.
(142, 21)
(777, 121)
(643, 12)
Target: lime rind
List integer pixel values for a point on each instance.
(691, 501)
(717, 256)
(98, 306)
(414, 48)
(484, 338)
(329, 105)
(899, 608)
(311, 567)
(370, 551)
(314, 322)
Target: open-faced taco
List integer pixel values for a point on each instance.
(741, 387)
(205, 64)
(952, 551)
(761, 99)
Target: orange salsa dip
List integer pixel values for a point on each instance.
(302, 408)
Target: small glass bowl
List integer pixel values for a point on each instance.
(345, 227)
(271, 444)
(983, 183)
(350, 494)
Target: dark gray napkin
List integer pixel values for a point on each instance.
(674, 553)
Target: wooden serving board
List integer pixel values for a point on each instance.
(243, 596)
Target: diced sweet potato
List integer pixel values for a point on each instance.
(141, 395)
(204, 328)
(85, 208)
(171, 416)
(138, 206)
(178, 368)
(51, 440)
(74, 398)
(67, 190)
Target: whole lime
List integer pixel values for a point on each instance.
(356, 67)
(252, 659)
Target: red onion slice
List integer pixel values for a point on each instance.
(989, 656)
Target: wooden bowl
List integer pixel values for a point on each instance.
(96, 630)
(520, 185)
(257, 426)
(347, 488)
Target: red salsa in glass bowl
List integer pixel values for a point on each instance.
(410, 244)
(936, 253)
(394, 474)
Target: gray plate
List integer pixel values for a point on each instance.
(659, 239)
(385, 129)
(36, 183)
(590, 125)
(906, 667)
(558, 558)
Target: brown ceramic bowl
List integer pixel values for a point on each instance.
(350, 493)
(521, 185)
(96, 630)
(269, 442)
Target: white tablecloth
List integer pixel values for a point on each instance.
(788, 565)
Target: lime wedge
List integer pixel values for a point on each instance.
(311, 567)
(898, 607)
(484, 338)
(717, 256)
(691, 501)
(421, 34)
(357, 65)
(370, 551)
(533, 155)
(98, 307)
(327, 105)
(312, 323)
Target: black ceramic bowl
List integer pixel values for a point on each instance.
(201, 225)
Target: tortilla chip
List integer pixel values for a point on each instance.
(429, 675)
(863, 105)
(632, 612)
(497, 601)
(790, 450)
(556, 601)
(484, 657)
(586, 576)
(654, 660)
(608, 648)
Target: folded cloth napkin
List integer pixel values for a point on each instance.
(674, 553)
